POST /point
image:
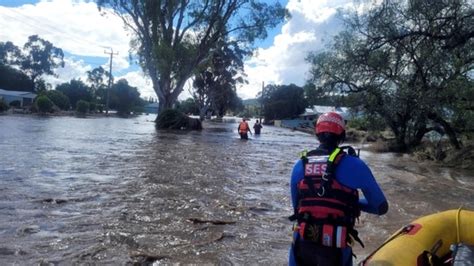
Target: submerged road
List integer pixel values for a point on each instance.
(117, 191)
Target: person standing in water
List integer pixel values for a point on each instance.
(326, 204)
(243, 129)
(257, 127)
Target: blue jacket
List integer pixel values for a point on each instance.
(351, 172)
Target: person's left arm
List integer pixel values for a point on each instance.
(354, 173)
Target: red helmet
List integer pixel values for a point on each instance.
(330, 122)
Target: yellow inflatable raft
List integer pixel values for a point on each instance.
(429, 236)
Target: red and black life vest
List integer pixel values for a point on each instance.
(327, 210)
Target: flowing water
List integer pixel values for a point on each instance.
(117, 191)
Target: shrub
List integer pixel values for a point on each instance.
(82, 107)
(44, 104)
(3, 106)
(174, 119)
(59, 99)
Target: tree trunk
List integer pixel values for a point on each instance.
(453, 139)
(202, 113)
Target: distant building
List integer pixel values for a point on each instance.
(24, 97)
(316, 110)
(151, 108)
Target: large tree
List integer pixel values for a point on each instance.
(40, 57)
(409, 61)
(11, 78)
(97, 77)
(283, 101)
(124, 97)
(75, 90)
(173, 38)
(10, 54)
(215, 85)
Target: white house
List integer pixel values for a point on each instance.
(316, 110)
(24, 97)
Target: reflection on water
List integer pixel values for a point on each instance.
(113, 190)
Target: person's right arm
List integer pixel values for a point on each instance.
(296, 175)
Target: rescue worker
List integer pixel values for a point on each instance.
(243, 129)
(325, 200)
(257, 127)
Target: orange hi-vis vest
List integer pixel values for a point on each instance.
(243, 127)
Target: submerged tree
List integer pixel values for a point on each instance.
(409, 61)
(174, 38)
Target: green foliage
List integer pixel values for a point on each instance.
(59, 99)
(15, 80)
(407, 62)
(98, 78)
(283, 101)
(3, 106)
(221, 78)
(44, 104)
(215, 86)
(174, 119)
(41, 57)
(367, 123)
(82, 107)
(124, 97)
(92, 107)
(188, 106)
(75, 90)
(180, 35)
(10, 54)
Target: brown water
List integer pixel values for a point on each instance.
(117, 191)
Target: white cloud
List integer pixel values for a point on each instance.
(139, 80)
(73, 69)
(77, 27)
(311, 24)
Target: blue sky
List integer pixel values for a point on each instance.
(84, 35)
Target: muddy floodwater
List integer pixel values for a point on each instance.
(117, 191)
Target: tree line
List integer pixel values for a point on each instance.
(23, 69)
(409, 63)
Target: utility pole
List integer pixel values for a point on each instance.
(261, 101)
(111, 53)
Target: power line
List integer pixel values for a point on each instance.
(52, 30)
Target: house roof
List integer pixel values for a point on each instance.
(319, 109)
(24, 94)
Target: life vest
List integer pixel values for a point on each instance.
(327, 210)
(243, 127)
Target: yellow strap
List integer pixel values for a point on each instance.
(333, 155)
(303, 153)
